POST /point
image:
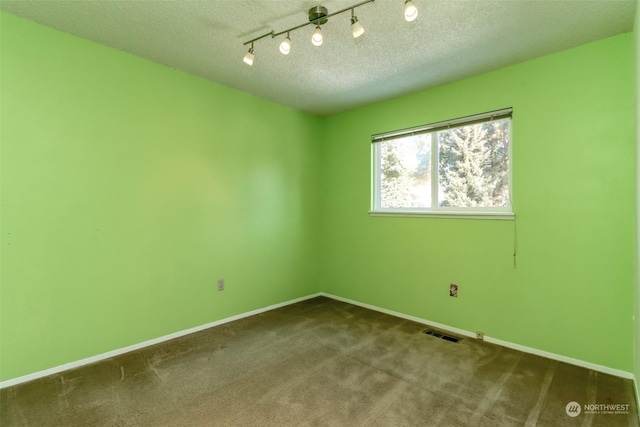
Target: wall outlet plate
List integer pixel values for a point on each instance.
(221, 284)
(453, 290)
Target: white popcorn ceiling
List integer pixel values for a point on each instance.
(450, 40)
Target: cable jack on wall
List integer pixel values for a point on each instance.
(319, 16)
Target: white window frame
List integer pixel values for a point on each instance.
(503, 212)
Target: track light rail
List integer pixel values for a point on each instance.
(318, 16)
(315, 21)
(259, 38)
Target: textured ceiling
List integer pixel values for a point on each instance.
(451, 39)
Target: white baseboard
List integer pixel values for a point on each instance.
(570, 360)
(117, 352)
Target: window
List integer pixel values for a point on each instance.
(460, 167)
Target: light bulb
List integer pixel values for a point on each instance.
(356, 28)
(316, 38)
(410, 11)
(285, 46)
(248, 58)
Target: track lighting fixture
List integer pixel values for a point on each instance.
(410, 11)
(248, 58)
(318, 16)
(285, 45)
(356, 28)
(316, 37)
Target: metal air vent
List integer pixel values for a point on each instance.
(441, 335)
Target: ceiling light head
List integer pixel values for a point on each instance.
(316, 37)
(356, 28)
(285, 45)
(410, 11)
(248, 57)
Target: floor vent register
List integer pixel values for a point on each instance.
(441, 335)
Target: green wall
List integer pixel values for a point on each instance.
(128, 189)
(573, 193)
(637, 254)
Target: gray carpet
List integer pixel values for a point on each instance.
(319, 362)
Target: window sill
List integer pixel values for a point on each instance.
(506, 216)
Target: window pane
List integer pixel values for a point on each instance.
(474, 165)
(405, 172)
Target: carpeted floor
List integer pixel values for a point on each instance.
(319, 362)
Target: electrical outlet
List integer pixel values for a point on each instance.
(453, 290)
(221, 284)
(480, 336)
